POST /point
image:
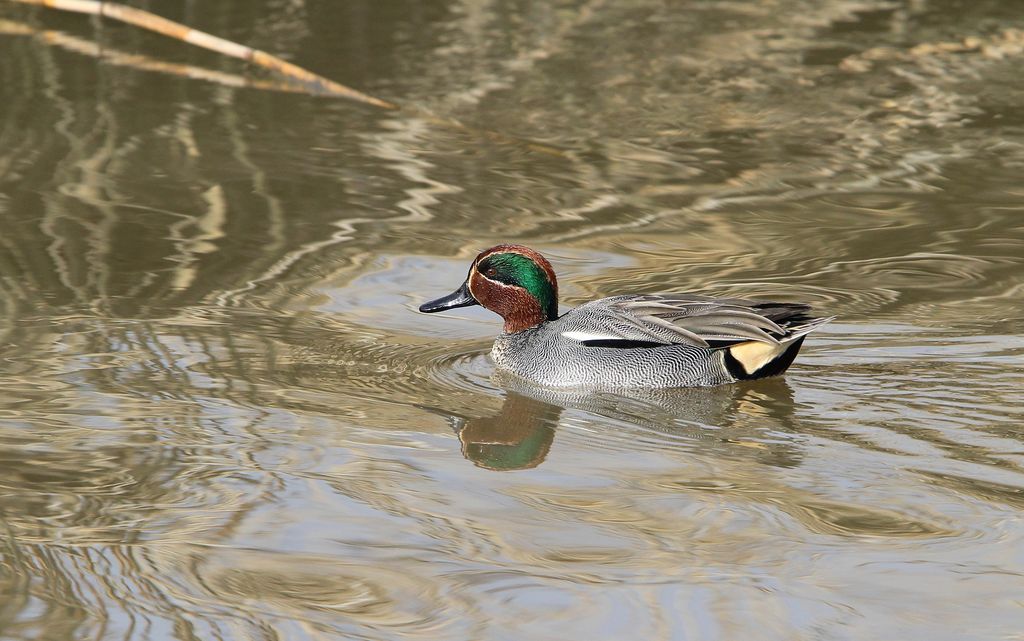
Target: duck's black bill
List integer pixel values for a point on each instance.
(459, 298)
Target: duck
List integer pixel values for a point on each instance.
(630, 341)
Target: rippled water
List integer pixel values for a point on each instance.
(221, 416)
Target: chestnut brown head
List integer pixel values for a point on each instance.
(511, 280)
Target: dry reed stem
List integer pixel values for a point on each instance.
(144, 63)
(152, 22)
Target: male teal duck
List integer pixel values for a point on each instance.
(630, 341)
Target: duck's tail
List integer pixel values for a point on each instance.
(756, 359)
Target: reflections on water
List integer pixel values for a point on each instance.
(518, 437)
(221, 417)
(520, 434)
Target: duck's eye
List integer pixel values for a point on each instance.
(490, 272)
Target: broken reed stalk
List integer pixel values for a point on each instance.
(144, 63)
(152, 22)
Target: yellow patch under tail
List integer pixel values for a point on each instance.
(753, 355)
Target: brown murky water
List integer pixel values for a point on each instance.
(221, 416)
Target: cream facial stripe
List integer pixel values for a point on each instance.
(473, 272)
(469, 281)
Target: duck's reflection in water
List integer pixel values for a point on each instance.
(731, 418)
(518, 437)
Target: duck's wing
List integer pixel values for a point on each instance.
(702, 321)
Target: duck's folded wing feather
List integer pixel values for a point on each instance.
(679, 318)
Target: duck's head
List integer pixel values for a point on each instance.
(513, 281)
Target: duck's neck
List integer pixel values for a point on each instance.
(521, 310)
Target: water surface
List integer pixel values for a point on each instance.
(221, 416)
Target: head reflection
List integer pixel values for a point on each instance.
(518, 437)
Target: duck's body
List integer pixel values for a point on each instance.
(633, 341)
(606, 344)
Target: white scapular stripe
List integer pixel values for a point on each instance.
(590, 336)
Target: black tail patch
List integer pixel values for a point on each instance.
(772, 368)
